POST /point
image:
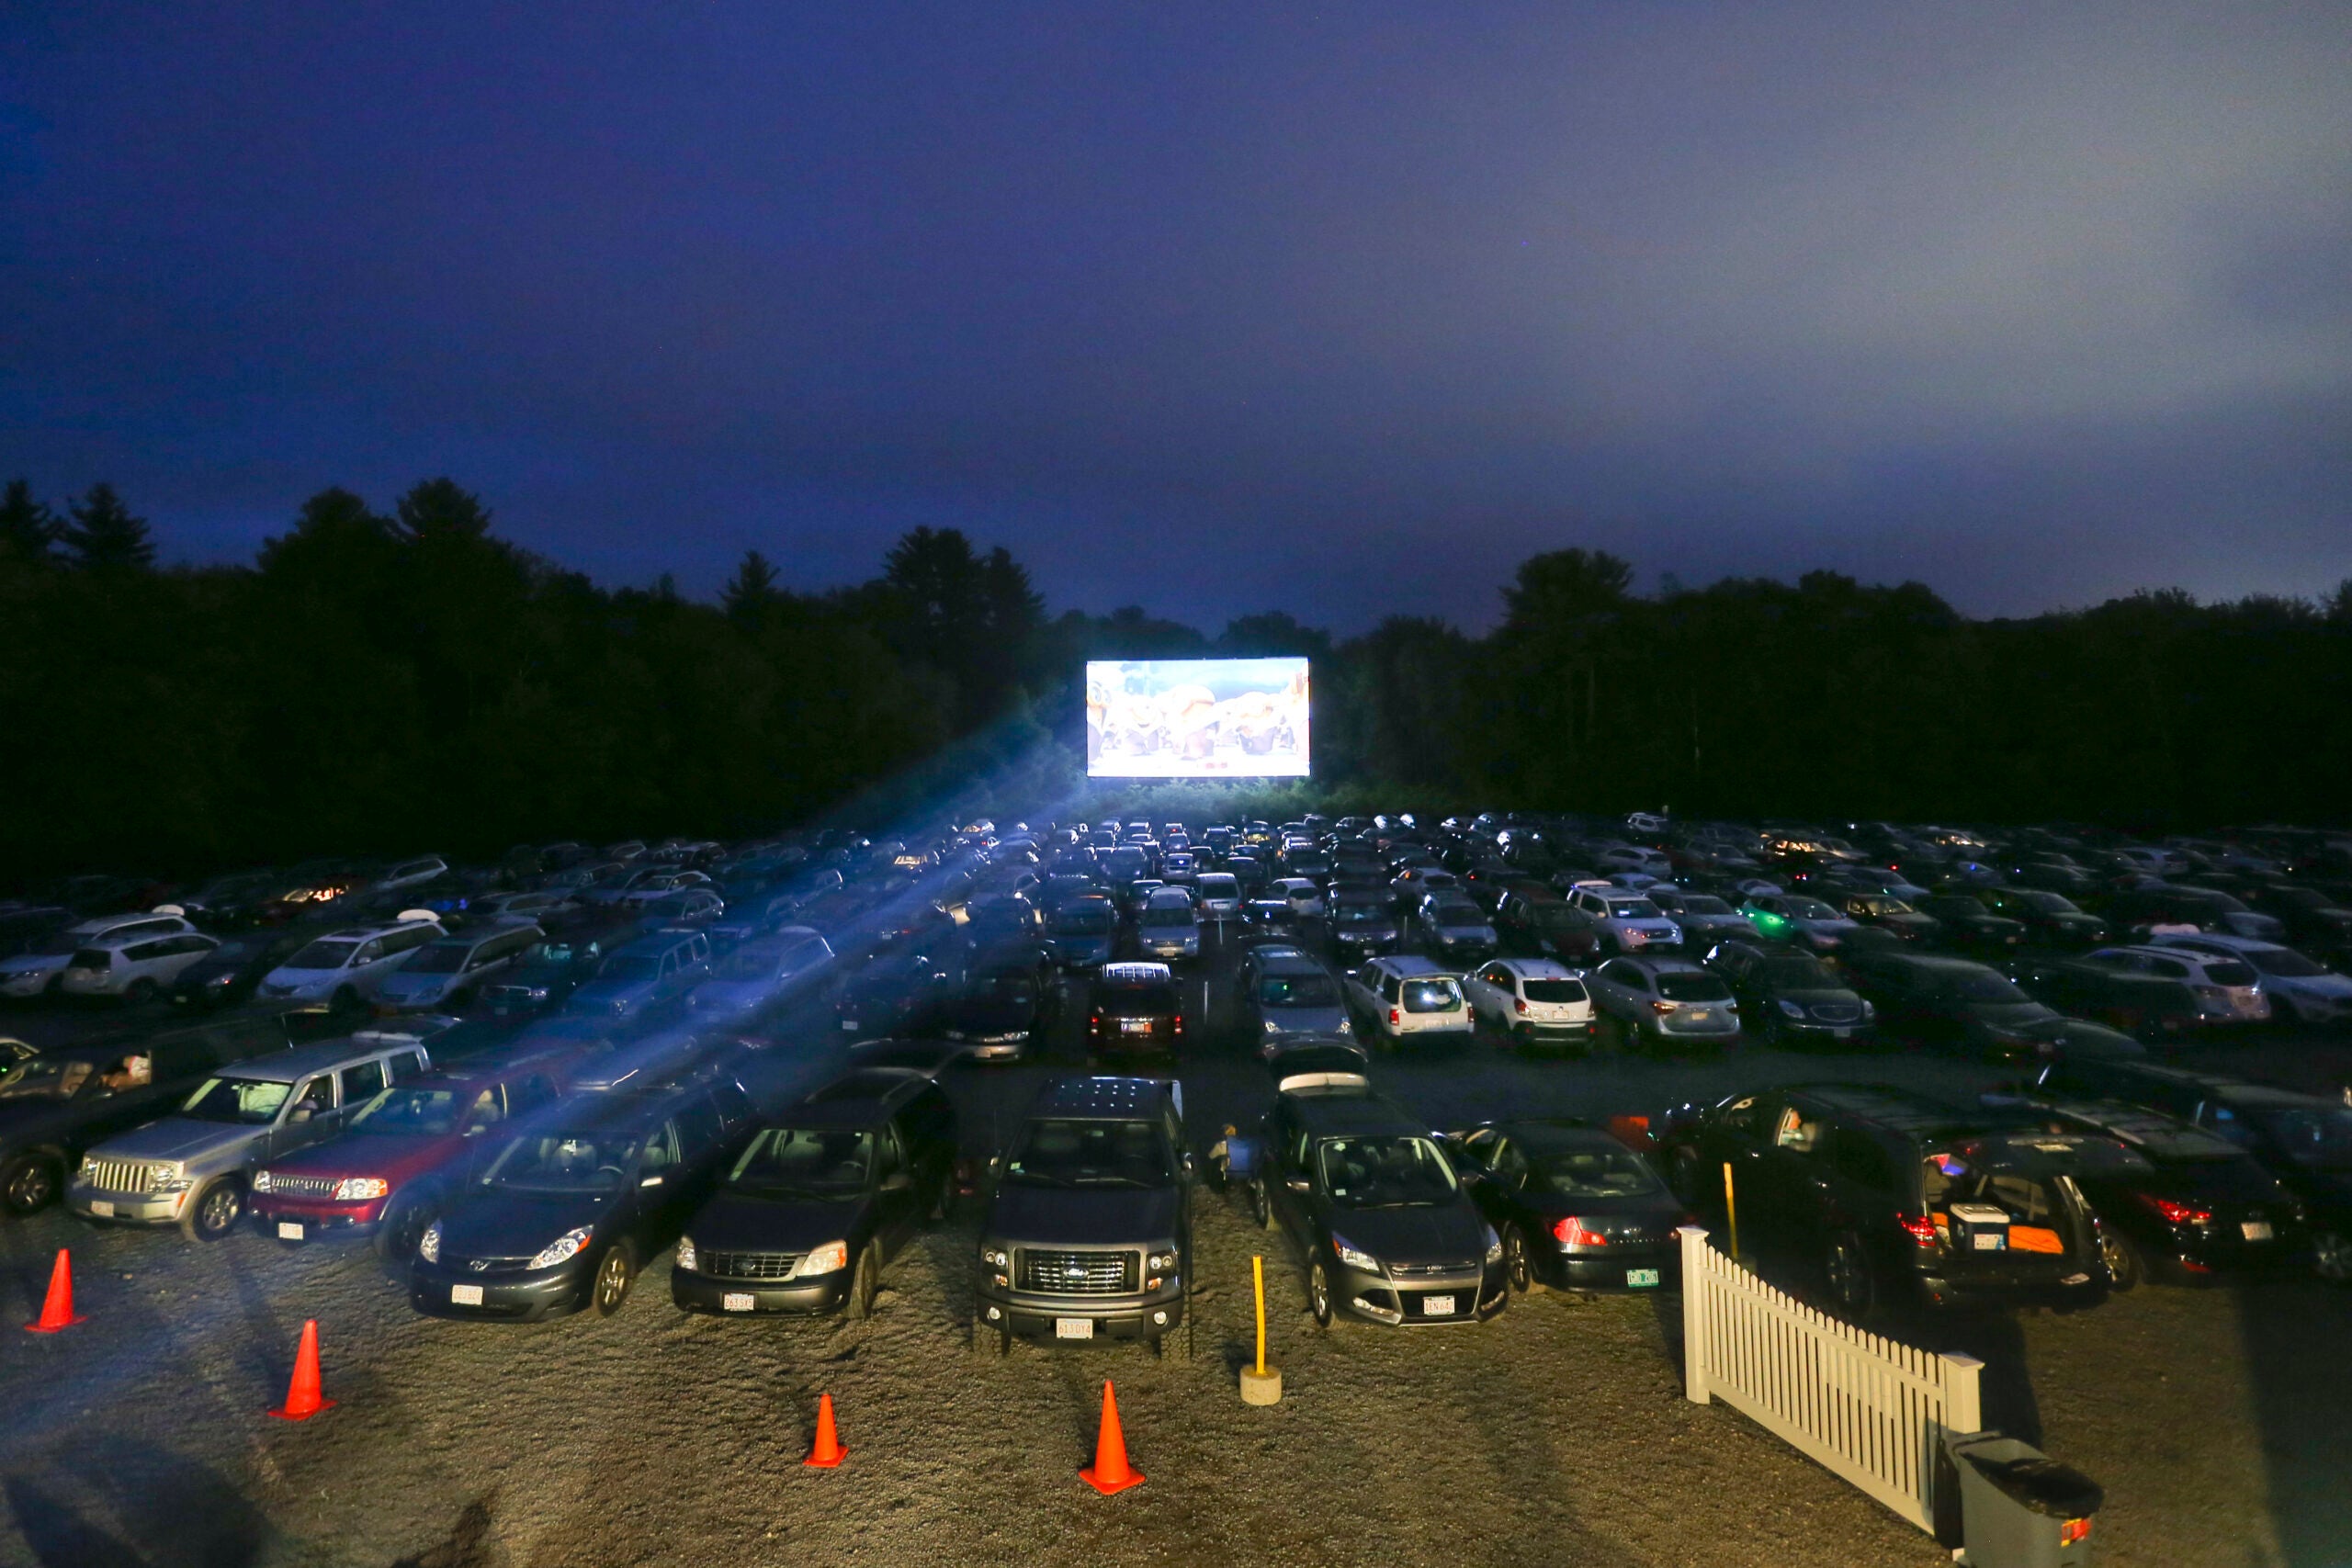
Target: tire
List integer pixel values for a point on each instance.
(403, 1223)
(1318, 1294)
(865, 1283)
(2125, 1267)
(2332, 1256)
(1686, 1174)
(616, 1271)
(1848, 1268)
(31, 1183)
(1517, 1266)
(1261, 1207)
(138, 991)
(214, 1209)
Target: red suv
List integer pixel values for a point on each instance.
(387, 1174)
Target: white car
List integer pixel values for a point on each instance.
(2301, 989)
(41, 968)
(349, 967)
(450, 973)
(2229, 990)
(1306, 900)
(411, 873)
(1533, 1001)
(132, 967)
(1628, 922)
(1652, 863)
(1168, 928)
(1407, 996)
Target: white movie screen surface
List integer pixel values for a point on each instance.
(1197, 719)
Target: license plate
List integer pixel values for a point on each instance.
(289, 1231)
(1436, 1306)
(1135, 1026)
(850, 1024)
(735, 1300)
(1641, 1279)
(2256, 1230)
(1699, 1015)
(1989, 1241)
(1841, 1034)
(465, 1295)
(1073, 1328)
(101, 1208)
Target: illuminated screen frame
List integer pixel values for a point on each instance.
(1197, 718)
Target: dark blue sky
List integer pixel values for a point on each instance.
(1341, 310)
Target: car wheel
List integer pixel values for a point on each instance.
(1516, 1266)
(30, 1183)
(2125, 1268)
(138, 991)
(1261, 1206)
(1849, 1271)
(403, 1224)
(2332, 1256)
(864, 1284)
(215, 1210)
(614, 1273)
(1686, 1174)
(1318, 1294)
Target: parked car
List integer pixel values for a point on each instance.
(1002, 1009)
(2227, 989)
(348, 967)
(1407, 996)
(1133, 1010)
(645, 975)
(1451, 928)
(806, 1217)
(401, 1153)
(232, 972)
(1532, 1002)
(1574, 1207)
(1168, 928)
(1969, 927)
(1795, 918)
(1302, 1059)
(1793, 998)
(2154, 1007)
(38, 967)
(450, 974)
(191, 1169)
(1900, 1199)
(1548, 926)
(1883, 911)
(1087, 1231)
(1384, 1229)
(2299, 989)
(1951, 1001)
(1703, 919)
(565, 1213)
(1302, 894)
(2051, 919)
(763, 973)
(1362, 923)
(1220, 896)
(1656, 1004)
(1283, 993)
(1080, 932)
(1623, 921)
(896, 993)
(2145, 908)
(133, 969)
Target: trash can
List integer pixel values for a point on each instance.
(2020, 1508)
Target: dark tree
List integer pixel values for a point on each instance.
(104, 536)
(751, 592)
(28, 527)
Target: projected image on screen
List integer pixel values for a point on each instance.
(1197, 719)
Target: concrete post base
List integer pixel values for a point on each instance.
(1262, 1388)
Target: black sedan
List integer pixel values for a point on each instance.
(806, 1217)
(230, 973)
(1574, 1207)
(566, 1212)
(1002, 1009)
(1969, 927)
(1793, 998)
(544, 978)
(2051, 919)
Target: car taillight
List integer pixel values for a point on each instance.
(1521, 1005)
(1179, 1024)
(1572, 1232)
(1922, 1228)
(1395, 1015)
(1661, 1007)
(2178, 1214)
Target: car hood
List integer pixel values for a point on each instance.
(177, 1137)
(488, 1222)
(2007, 1017)
(1308, 1020)
(1083, 1216)
(737, 1222)
(33, 963)
(1466, 933)
(1449, 1232)
(394, 1158)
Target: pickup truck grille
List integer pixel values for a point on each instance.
(754, 1265)
(303, 1186)
(1076, 1273)
(121, 1175)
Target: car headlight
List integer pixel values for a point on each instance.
(1791, 1008)
(1162, 1261)
(1494, 1245)
(352, 1188)
(261, 1181)
(428, 1245)
(1273, 1027)
(568, 1244)
(995, 1257)
(1344, 1028)
(830, 1259)
(1869, 1011)
(687, 1252)
(1353, 1257)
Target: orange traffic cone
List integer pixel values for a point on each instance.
(828, 1451)
(57, 1311)
(302, 1397)
(1109, 1472)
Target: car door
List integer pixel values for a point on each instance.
(361, 1082)
(306, 1118)
(1784, 1193)
(896, 1191)
(1288, 1182)
(661, 1191)
(1737, 1134)
(1483, 988)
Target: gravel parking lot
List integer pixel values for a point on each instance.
(1555, 1433)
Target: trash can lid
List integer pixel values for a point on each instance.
(2042, 1484)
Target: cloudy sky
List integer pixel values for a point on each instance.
(1342, 310)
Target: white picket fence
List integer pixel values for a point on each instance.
(1868, 1408)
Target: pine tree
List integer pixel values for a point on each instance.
(751, 592)
(28, 529)
(104, 536)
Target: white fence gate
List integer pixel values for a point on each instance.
(1869, 1408)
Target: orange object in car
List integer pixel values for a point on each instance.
(2034, 1238)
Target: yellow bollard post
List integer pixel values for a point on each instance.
(1260, 1385)
(1730, 1210)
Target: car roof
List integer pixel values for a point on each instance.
(865, 1096)
(2150, 1132)
(657, 943)
(2245, 1092)
(1344, 1109)
(113, 941)
(1103, 1096)
(285, 1067)
(1662, 966)
(1413, 966)
(1902, 1110)
(1539, 969)
(1135, 974)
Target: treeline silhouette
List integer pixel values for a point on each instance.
(379, 683)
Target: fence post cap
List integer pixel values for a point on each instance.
(1962, 1359)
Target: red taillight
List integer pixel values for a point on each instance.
(2178, 1214)
(1522, 1006)
(1395, 1016)
(1179, 1024)
(2073, 1531)
(1661, 1007)
(1571, 1232)
(1921, 1227)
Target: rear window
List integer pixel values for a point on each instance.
(1591, 1173)
(2229, 972)
(325, 954)
(1431, 996)
(1140, 998)
(1683, 988)
(1298, 991)
(1553, 990)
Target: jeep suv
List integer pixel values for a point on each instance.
(1089, 1223)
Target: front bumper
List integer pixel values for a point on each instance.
(1616, 1268)
(1030, 1314)
(315, 1219)
(527, 1297)
(736, 1298)
(27, 982)
(1470, 1295)
(104, 1208)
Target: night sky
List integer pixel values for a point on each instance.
(1342, 311)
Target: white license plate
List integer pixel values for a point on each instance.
(1641, 1279)
(1989, 1241)
(1841, 1034)
(465, 1295)
(101, 1208)
(2256, 1230)
(850, 1024)
(1135, 1026)
(289, 1231)
(1436, 1306)
(735, 1300)
(1699, 1015)
(1073, 1328)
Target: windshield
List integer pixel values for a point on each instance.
(1553, 990)
(407, 1111)
(793, 1162)
(1092, 922)
(761, 963)
(1879, 906)
(564, 1162)
(1393, 1171)
(1799, 974)
(1460, 914)
(440, 958)
(1017, 988)
(1361, 915)
(1297, 991)
(630, 966)
(40, 1078)
(1168, 915)
(326, 954)
(1633, 909)
(1680, 985)
(1987, 988)
(2319, 1138)
(249, 1101)
(2049, 903)
(2285, 963)
(1556, 917)
(61, 945)
(1055, 1152)
(1811, 909)
(1590, 1173)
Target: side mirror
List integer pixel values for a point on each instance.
(302, 1114)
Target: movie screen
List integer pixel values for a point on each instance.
(1197, 719)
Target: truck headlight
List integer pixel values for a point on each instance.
(830, 1259)
(1162, 1261)
(568, 1244)
(428, 1245)
(353, 1189)
(686, 1258)
(995, 1256)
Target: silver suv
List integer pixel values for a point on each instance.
(191, 1169)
